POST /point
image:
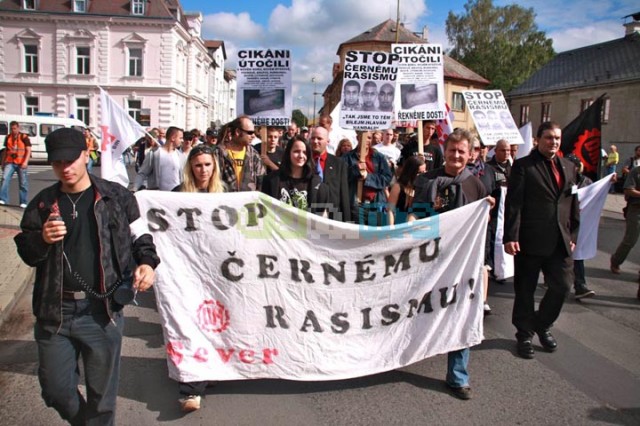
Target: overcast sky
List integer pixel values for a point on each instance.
(313, 29)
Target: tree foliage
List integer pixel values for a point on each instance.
(299, 118)
(502, 44)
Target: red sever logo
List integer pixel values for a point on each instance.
(213, 316)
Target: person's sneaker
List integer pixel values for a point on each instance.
(2, 203)
(614, 267)
(23, 206)
(582, 292)
(190, 403)
(487, 309)
(461, 393)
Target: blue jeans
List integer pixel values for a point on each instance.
(457, 362)
(9, 170)
(86, 330)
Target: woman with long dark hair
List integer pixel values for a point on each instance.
(403, 191)
(296, 183)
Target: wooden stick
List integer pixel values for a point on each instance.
(263, 138)
(362, 158)
(420, 137)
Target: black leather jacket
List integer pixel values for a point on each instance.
(115, 209)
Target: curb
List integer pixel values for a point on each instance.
(9, 297)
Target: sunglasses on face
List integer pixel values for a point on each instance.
(249, 132)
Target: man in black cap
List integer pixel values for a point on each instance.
(211, 137)
(84, 237)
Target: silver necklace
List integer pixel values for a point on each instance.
(74, 214)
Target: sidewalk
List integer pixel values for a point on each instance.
(15, 276)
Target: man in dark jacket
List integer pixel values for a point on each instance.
(83, 236)
(541, 228)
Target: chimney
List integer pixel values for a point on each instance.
(632, 26)
(425, 33)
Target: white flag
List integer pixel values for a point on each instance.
(526, 132)
(119, 131)
(592, 199)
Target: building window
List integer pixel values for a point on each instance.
(457, 102)
(31, 58)
(585, 103)
(604, 117)
(83, 60)
(31, 105)
(524, 115)
(29, 4)
(82, 110)
(80, 6)
(134, 109)
(135, 62)
(546, 112)
(137, 7)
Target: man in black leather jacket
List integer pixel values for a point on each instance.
(83, 236)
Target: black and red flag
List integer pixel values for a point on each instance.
(582, 137)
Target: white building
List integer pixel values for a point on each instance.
(147, 54)
(222, 85)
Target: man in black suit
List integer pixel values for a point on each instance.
(333, 172)
(541, 228)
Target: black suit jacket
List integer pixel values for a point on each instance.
(335, 178)
(538, 215)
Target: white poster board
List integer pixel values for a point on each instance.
(492, 117)
(264, 86)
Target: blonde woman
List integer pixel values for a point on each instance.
(201, 172)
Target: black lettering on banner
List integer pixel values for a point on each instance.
(231, 215)
(426, 257)
(225, 268)
(390, 262)
(155, 217)
(267, 264)
(340, 325)
(443, 296)
(390, 312)
(189, 215)
(311, 320)
(335, 273)
(363, 272)
(296, 270)
(366, 318)
(275, 313)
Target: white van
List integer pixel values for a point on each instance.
(37, 127)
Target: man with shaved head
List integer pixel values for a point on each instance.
(333, 173)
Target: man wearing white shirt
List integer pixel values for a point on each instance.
(388, 148)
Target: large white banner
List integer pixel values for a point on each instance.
(492, 117)
(249, 287)
(368, 90)
(420, 82)
(264, 86)
(119, 131)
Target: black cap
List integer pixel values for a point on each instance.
(212, 132)
(65, 144)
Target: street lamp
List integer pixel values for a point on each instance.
(313, 80)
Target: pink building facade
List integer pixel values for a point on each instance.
(147, 54)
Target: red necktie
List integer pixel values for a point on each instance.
(556, 174)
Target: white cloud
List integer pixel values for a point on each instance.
(228, 26)
(573, 38)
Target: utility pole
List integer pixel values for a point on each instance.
(313, 80)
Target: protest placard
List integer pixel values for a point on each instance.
(492, 117)
(420, 82)
(264, 86)
(250, 287)
(368, 90)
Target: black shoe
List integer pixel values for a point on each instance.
(525, 348)
(547, 341)
(463, 393)
(582, 292)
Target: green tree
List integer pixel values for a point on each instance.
(299, 118)
(502, 44)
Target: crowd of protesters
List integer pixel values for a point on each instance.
(379, 178)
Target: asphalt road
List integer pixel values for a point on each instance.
(593, 378)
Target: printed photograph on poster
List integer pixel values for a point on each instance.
(492, 117)
(420, 82)
(266, 102)
(264, 86)
(368, 90)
